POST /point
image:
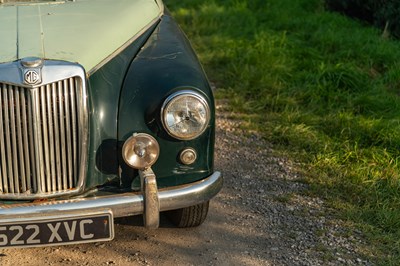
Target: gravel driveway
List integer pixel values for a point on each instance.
(261, 217)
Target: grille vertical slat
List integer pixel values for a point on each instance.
(40, 139)
(51, 134)
(10, 174)
(45, 140)
(67, 89)
(18, 107)
(4, 186)
(25, 135)
(13, 126)
(62, 135)
(32, 152)
(56, 135)
(73, 87)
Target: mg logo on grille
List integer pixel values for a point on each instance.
(32, 77)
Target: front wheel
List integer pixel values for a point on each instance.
(190, 216)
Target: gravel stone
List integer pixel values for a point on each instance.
(261, 217)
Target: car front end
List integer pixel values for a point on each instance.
(105, 112)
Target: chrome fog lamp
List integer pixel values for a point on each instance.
(185, 115)
(140, 151)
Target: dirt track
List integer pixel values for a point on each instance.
(260, 218)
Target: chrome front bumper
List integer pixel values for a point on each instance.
(126, 204)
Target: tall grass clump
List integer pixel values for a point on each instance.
(323, 88)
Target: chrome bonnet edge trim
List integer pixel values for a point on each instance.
(121, 205)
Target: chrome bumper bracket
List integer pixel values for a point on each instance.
(151, 208)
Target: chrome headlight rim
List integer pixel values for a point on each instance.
(183, 93)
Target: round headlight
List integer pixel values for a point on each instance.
(140, 151)
(185, 115)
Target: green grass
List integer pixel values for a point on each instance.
(323, 88)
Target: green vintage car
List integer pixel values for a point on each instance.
(105, 112)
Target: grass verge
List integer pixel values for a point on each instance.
(323, 88)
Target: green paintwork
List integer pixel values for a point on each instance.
(84, 31)
(132, 85)
(176, 67)
(104, 86)
(126, 92)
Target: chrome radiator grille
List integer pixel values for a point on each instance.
(40, 139)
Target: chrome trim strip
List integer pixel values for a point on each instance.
(74, 129)
(3, 174)
(46, 132)
(14, 153)
(26, 3)
(160, 5)
(31, 141)
(62, 136)
(18, 93)
(51, 134)
(125, 45)
(37, 141)
(121, 205)
(83, 118)
(8, 141)
(69, 149)
(24, 139)
(56, 132)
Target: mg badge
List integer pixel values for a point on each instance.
(32, 76)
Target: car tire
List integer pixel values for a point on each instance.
(190, 216)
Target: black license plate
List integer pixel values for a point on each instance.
(57, 230)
